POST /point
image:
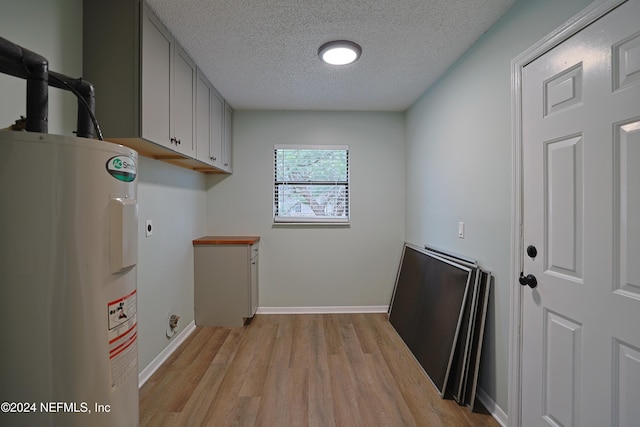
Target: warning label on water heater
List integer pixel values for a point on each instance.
(123, 335)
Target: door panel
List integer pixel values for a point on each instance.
(563, 206)
(626, 62)
(562, 369)
(626, 385)
(627, 160)
(581, 209)
(564, 90)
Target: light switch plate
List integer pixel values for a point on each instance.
(148, 228)
(461, 230)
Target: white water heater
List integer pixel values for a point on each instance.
(68, 254)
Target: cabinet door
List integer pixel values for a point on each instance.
(209, 122)
(217, 128)
(156, 80)
(253, 293)
(227, 149)
(203, 119)
(183, 106)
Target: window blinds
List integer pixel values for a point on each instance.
(311, 184)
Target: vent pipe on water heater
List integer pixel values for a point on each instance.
(19, 62)
(22, 63)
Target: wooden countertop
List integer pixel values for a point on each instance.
(227, 240)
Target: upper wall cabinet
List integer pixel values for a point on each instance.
(183, 102)
(168, 78)
(146, 85)
(227, 148)
(209, 123)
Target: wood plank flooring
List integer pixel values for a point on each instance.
(298, 370)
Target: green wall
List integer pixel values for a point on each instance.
(304, 266)
(459, 164)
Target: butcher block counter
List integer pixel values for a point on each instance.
(227, 240)
(225, 279)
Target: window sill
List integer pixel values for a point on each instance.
(299, 224)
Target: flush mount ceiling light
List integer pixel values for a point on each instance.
(339, 52)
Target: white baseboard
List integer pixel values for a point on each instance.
(492, 407)
(146, 373)
(324, 310)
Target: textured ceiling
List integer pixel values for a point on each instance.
(262, 54)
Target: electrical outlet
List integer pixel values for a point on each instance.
(148, 228)
(461, 230)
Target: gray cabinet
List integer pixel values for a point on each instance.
(183, 103)
(146, 85)
(157, 59)
(225, 280)
(227, 149)
(168, 85)
(209, 123)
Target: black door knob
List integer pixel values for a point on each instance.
(528, 280)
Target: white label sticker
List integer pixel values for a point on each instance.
(123, 336)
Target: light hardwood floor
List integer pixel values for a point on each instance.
(298, 370)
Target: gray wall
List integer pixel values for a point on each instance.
(174, 198)
(459, 162)
(318, 266)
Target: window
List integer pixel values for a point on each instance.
(311, 184)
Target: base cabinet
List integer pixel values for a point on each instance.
(225, 280)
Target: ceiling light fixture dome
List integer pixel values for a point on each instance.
(339, 52)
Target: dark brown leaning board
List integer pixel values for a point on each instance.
(427, 308)
(473, 366)
(456, 380)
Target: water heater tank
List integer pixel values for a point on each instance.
(68, 254)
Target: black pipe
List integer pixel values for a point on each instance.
(22, 63)
(86, 100)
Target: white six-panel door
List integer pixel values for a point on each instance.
(581, 211)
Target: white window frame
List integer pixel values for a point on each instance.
(302, 220)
